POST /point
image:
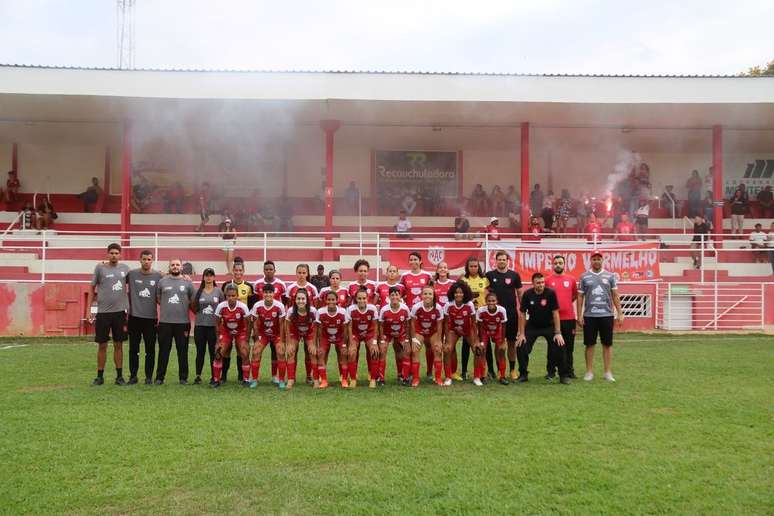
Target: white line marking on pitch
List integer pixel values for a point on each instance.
(11, 346)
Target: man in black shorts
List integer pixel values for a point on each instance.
(506, 284)
(109, 284)
(597, 296)
(541, 305)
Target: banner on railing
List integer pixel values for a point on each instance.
(455, 254)
(629, 262)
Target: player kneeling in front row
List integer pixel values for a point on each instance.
(332, 328)
(491, 329)
(363, 317)
(394, 319)
(460, 316)
(426, 330)
(542, 307)
(268, 315)
(233, 318)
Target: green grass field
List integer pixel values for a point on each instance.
(688, 428)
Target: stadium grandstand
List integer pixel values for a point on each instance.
(667, 175)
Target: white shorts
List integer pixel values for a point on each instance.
(229, 245)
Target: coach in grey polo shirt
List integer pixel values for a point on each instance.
(142, 283)
(597, 296)
(175, 296)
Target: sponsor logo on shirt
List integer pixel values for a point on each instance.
(144, 293)
(118, 286)
(181, 288)
(174, 300)
(598, 291)
(208, 310)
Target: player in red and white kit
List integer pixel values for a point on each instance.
(342, 293)
(460, 317)
(300, 325)
(302, 282)
(415, 280)
(394, 321)
(269, 278)
(363, 317)
(233, 319)
(362, 268)
(383, 287)
(491, 328)
(332, 329)
(441, 283)
(268, 316)
(426, 330)
(566, 289)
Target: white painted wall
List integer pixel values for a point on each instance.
(59, 168)
(6, 153)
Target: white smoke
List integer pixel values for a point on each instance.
(625, 161)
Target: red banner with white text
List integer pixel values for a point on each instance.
(629, 262)
(455, 254)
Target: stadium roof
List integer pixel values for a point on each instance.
(389, 98)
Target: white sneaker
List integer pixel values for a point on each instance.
(275, 380)
(477, 382)
(609, 377)
(588, 376)
(447, 382)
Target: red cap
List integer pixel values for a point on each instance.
(596, 253)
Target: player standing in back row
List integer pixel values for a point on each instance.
(142, 283)
(109, 283)
(597, 296)
(566, 289)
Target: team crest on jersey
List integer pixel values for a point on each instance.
(182, 288)
(543, 302)
(507, 281)
(604, 280)
(402, 318)
(566, 284)
(238, 315)
(152, 283)
(436, 255)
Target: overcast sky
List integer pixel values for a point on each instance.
(535, 36)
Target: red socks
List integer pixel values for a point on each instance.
(352, 369)
(315, 373)
(274, 368)
(245, 372)
(405, 368)
(217, 369)
(345, 371)
(256, 366)
(308, 365)
(282, 367)
(438, 366)
(448, 369)
(322, 373)
(501, 367)
(415, 372)
(382, 369)
(292, 371)
(453, 362)
(479, 367)
(429, 357)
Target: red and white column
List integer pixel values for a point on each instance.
(524, 177)
(126, 182)
(717, 182)
(329, 127)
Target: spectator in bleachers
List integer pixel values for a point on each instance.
(27, 216)
(511, 200)
(461, 226)
(634, 200)
(430, 200)
(534, 230)
(284, 215)
(46, 215)
(644, 174)
(497, 200)
(141, 195)
(694, 186)
(624, 230)
(740, 204)
(174, 199)
(493, 229)
(758, 241)
(91, 195)
(700, 231)
(641, 217)
(320, 280)
(547, 212)
(766, 202)
(536, 200)
(770, 245)
(564, 210)
(12, 186)
(593, 228)
(709, 179)
(478, 201)
(403, 226)
(582, 211)
(204, 206)
(228, 234)
(352, 197)
(669, 200)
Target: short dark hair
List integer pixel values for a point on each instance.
(269, 262)
(146, 252)
(558, 256)
(239, 259)
(415, 253)
(362, 261)
(537, 275)
(393, 290)
(268, 287)
(114, 245)
(500, 253)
